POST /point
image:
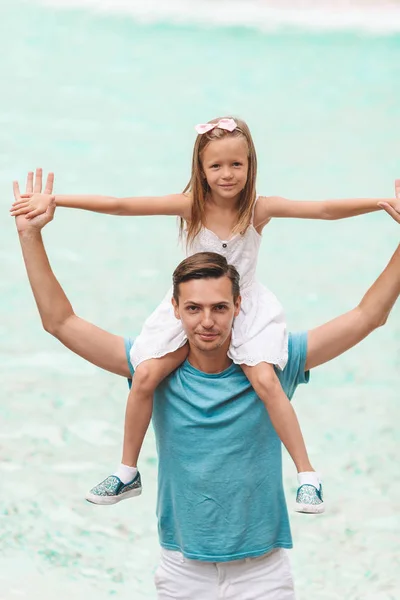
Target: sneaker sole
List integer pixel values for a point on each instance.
(108, 500)
(311, 509)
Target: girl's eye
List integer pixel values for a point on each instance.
(237, 164)
(214, 166)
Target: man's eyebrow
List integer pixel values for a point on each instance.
(194, 303)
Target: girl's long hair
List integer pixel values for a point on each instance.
(198, 186)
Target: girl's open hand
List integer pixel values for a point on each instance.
(33, 202)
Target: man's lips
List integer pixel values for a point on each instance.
(206, 335)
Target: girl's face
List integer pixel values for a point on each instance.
(225, 165)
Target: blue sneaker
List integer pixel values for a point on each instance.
(309, 499)
(112, 490)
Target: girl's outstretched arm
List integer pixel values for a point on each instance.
(36, 203)
(275, 206)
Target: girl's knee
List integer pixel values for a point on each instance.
(145, 378)
(264, 378)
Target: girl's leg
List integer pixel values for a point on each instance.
(267, 386)
(266, 383)
(126, 483)
(148, 375)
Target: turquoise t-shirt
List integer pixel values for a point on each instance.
(220, 492)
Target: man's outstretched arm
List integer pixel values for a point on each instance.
(335, 337)
(92, 343)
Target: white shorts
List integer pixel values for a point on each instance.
(266, 577)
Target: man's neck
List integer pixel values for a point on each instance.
(211, 362)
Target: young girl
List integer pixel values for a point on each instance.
(219, 211)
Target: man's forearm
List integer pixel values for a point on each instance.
(382, 295)
(53, 305)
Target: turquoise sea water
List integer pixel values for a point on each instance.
(109, 102)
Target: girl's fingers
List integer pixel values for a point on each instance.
(29, 183)
(21, 211)
(16, 191)
(22, 207)
(20, 204)
(38, 181)
(33, 214)
(49, 184)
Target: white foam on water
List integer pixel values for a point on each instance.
(52, 434)
(73, 467)
(63, 362)
(373, 17)
(98, 433)
(9, 467)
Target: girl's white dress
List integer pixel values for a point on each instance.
(259, 331)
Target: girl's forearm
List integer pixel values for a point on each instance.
(174, 204)
(101, 204)
(342, 209)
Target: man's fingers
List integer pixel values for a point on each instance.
(397, 188)
(49, 184)
(38, 181)
(16, 191)
(29, 183)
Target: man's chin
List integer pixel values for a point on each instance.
(206, 346)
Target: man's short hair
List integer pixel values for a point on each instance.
(205, 265)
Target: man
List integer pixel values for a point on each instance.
(222, 516)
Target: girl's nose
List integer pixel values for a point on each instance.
(227, 174)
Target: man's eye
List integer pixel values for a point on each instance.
(220, 307)
(192, 308)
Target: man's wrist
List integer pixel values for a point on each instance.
(30, 234)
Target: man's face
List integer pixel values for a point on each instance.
(207, 309)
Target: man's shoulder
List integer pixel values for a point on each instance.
(297, 340)
(295, 372)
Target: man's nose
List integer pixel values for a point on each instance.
(207, 321)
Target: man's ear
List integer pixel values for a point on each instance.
(238, 303)
(176, 308)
